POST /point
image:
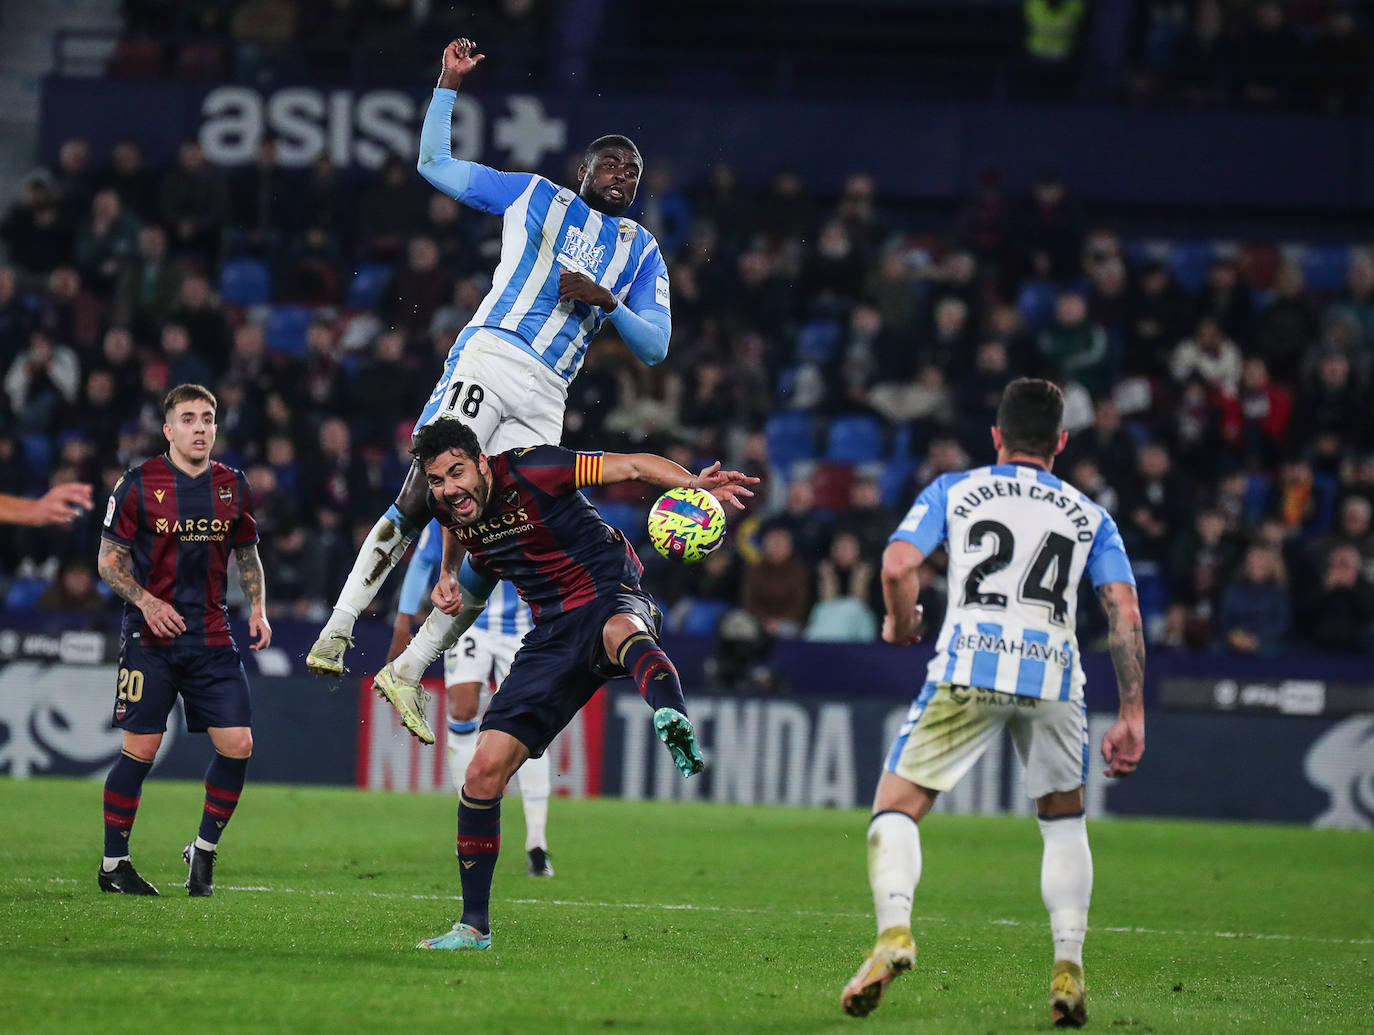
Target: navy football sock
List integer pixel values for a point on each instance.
(479, 843)
(123, 789)
(223, 785)
(653, 673)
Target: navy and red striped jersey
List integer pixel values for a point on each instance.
(542, 535)
(180, 530)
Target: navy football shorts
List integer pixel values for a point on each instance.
(558, 668)
(210, 680)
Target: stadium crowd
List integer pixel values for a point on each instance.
(1219, 392)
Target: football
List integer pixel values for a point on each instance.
(686, 524)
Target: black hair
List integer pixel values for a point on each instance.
(1031, 416)
(438, 438)
(602, 143)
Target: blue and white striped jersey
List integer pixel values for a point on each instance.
(1019, 541)
(505, 614)
(546, 228)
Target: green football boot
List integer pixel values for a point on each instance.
(462, 936)
(408, 699)
(675, 730)
(326, 656)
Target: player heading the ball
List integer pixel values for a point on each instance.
(520, 516)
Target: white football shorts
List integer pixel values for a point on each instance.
(509, 398)
(480, 656)
(949, 727)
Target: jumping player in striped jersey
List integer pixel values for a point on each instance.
(1019, 541)
(474, 667)
(169, 529)
(521, 517)
(569, 261)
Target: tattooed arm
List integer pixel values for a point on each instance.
(255, 589)
(1125, 741)
(115, 564)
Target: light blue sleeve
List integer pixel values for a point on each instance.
(479, 585)
(644, 319)
(1107, 560)
(424, 562)
(924, 524)
(472, 184)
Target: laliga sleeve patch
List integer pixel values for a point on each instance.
(110, 512)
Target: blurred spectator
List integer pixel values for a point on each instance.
(389, 212)
(1353, 528)
(1074, 346)
(1088, 478)
(1256, 615)
(200, 313)
(128, 178)
(148, 286)
(16, 316)
(194, 202)
(42, 381)
(69, 313)
(73, 591)
(1254, 421)
(261, 197)
(1209, 356)
(297, 566)
(667, 212)
(326, 386)
(117, 356)
(311, 272)
(185, 365)
(1154, 506)
(1339, 59)
(325, 199)
(1289, 325)
(418, 288)
(1266, 55)
(393, 386)
(445, 227)
(834, 271)
(1201, 563)
(1226, 298)
(35, 229)
(107, 240)
(1333, 402)
(101, 412)
(1356, 302)
(1340, 615)
(1050, 229)
(1159, 314)
(845, 594)
(776, 588)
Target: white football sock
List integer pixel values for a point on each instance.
(534, 798)
(381, 550)
(203, 845)
(436, 635)
(461, 747)
(894, 867)
(1066, 883)
(109, 862)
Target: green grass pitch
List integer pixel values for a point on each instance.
(662, 918)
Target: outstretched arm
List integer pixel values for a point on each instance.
(662, 473)
(58, 506)
(1124, 743)
(255, 589)
(645, 333)
(904, 622)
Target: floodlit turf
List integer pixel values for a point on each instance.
(662, 918)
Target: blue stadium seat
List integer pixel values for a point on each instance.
(818, 341)
(1190, 261)
(703, 616)
(855, 440)
(24, 593)
(245, 282)
(1152, 590)
(365, 292)
(285, 327)
(39, 453)
(628, 517)
(1036, 304)
(791, 438)
(892, 482)
(1324, 267)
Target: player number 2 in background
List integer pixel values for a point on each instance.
(130, 684)
(471, 403)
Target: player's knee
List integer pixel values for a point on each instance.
(618, 629)
(463, 699)
(235, 743)
(484, 777)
